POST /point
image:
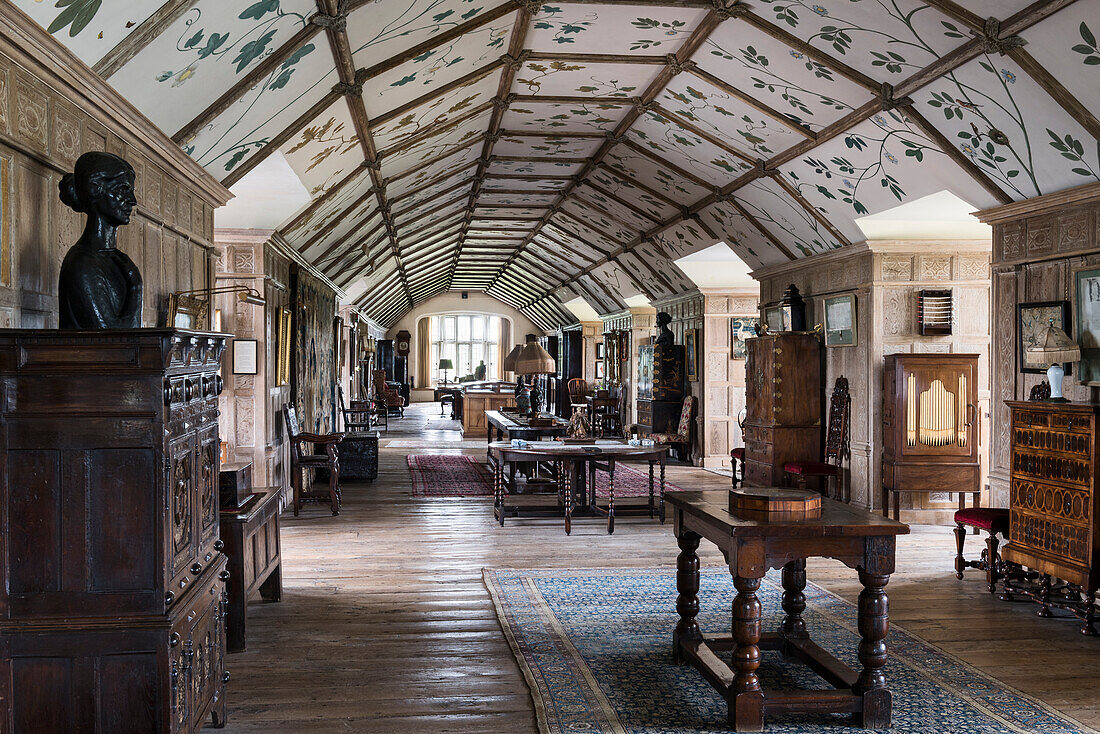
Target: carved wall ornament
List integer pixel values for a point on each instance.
(935, 268)
(1073, 230)
(973, 268)
(897, 267)
(1011, 239)
(244, 260)
(5, 88)
(1040, 236)
(66, 135)
(31, 114)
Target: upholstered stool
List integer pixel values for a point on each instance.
(993, 521)
(737, 458)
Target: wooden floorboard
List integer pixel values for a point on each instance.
(386, 626)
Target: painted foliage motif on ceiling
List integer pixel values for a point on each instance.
(598, 142)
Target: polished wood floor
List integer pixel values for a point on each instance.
(385, 625)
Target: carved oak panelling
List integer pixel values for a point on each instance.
(935, 268)
(1073, 230)
(973, 268)
(1040, 236)
(31, 110)
(1011, 240)
(66, 134)
(5, 94)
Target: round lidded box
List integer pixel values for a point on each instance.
(774, 503)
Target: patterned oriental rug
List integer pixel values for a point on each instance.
(595, 648)
(455, 475)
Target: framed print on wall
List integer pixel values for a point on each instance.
(691, 354)
(245, 359)
(740, 330)
(1086, 308)
(840, 321)
(1031, 320)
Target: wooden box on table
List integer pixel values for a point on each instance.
(113, 593)
(783, 394)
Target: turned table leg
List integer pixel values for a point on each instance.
(661, 494)
(874, 623)
(500, 489)
(687, 588)
(651, 490)
(745, 697)
(794, 600)
(610, 496)
(568, 499)
(1090, 612)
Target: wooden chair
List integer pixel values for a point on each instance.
(995, 522)
(578, 390)
(737, 455)
(606, 419)
(681, 440)
(302, 461)
(388, 395)
(837, 445)
(357, 418)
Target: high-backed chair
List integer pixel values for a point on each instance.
(837, 445)
(606, 419)
(357, 417)
(737, 455)
(302, 461)
(578, 390)
(387, 394)
(681, 440)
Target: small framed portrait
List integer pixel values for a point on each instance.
(600, 374)
(691, 354)
(599, 350)
(840, 321)
(1086, 311)
(245, 357)
(741, 328)
(1031, 321)
(775, 318)
(187, 312)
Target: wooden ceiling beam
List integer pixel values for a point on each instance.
(438, 127)
(504, 133)
(618, 199)
(571, 100)
(588, 58)
(710, 138)
(137, 39)
(432, 182)
(761, 107)
(437, 92)
(432, 161)
(412, 207)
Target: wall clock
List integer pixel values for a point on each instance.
(402, 343)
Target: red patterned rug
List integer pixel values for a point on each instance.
(435, 475)
(631, 482)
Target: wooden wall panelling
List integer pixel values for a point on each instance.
(687, 313)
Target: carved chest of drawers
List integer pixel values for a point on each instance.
(783, 396)
(113, 597)
(1053, 495)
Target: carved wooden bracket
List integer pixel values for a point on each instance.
(515, 63)
(642, 106)
(886, 98)
(990, 37)
(726, 10)
(504, 103)
(675, 65)
(531, 6)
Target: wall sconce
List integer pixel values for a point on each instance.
(189, 309)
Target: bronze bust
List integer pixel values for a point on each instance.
(665, 337)
(100, 286)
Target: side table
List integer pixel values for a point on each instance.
(251, 537)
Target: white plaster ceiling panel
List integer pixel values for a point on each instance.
(879, 165)
(685, 149)
(568, 79)
(552, 238)
(379, 30)
(644, 168)
(598, 220)
(1046, 150)
(326, 150)
(544, 168)
(622, 187)
(587, 28)
(995, 8)
(627, 218)
(577, 230)
(204, 52)
(266, 110)
(89, 29)
(785, 79)
(683, 238)
(423, 215)
(492, 211)
(327, 209)
(726, 117)
(437, 111)
(747, 241)
(437, 67)
(435, 145)
(887, 41)
(1067, 46)
(567, 263)
(788, 222)
(533, 199)
(508, 225)
(437, 170)
(615, 278)
(546, 146)
(428, 194)
(496, 182)
(561, 117)
(400, 193)
(362, 221)
(644, 274)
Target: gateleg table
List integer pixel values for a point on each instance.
(859, 539)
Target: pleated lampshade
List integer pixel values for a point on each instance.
(1054, 347)
(534, 360)
(510, 360)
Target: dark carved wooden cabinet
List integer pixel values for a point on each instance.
(930, 426)
(113, 598)
(1053, 495)
(783, 394)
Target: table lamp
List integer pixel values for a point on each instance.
(446, 364)
(534, 360)
(1054, 347)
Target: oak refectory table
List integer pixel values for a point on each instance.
(859, 539)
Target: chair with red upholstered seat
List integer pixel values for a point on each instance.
(737, 455)
(681, 440)
(993, 521)
(836, 446)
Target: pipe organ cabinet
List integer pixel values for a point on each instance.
(113, 598)
(930, 426)
(783, 396)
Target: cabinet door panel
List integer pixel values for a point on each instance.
(181, 503)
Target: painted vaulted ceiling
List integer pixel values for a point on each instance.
(543, 151)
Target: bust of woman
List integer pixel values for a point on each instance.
(99, 287)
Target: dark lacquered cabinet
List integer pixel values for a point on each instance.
(783, 401)
(113, 598)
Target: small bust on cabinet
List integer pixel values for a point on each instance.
(100, 286)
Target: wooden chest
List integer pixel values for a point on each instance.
(112, 601)
(1053, 495)
(783, 394)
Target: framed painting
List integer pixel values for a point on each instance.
(245, 357)
(1031, 320)
(187, 312)
(691, 354)
(282, 344)
(1086, 309)
(840, 321)
(741, 328)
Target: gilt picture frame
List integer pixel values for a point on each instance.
(1086, 315)
(1031, 319)
(188, 312)
(691, 354)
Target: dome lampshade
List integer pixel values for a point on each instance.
(510, 360)
(534, 360)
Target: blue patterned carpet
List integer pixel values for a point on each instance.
(595, 646)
